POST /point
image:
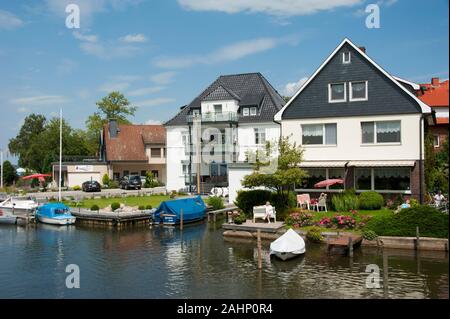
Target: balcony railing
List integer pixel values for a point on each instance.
(214, 117)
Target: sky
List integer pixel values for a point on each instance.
(162, 53)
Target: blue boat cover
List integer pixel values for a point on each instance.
(193, 209)
(54, 210)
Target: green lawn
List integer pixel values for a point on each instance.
(153, 200)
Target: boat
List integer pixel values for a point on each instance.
(55, 214)
(7, 218)
(288, 245)
(19, 206)
(169, 212)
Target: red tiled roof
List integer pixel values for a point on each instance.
(129, 145)
(435, 95)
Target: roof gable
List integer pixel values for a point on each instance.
(221, 93)
(386, 95)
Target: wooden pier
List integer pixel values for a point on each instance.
(112, 219)
(250, 226)
(345, 243)
(212, 215)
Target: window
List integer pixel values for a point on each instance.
(126, 173)
(358, 91)
(436, 140)
(143, 173)
(316, 175)
(260, 136)
(337, 92)
(195, 113)
(336, 173)
(155, 173)
(346, 57)
(319, 134)
(245, 111)
(363, 178)
(155, 152)
(116, 176)
(383, 178)
(218, 108)
(381, 132)
(253, 111)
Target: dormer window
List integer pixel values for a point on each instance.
(346, 57)
(253, 111)
(337, 92)
(245, 111)
(217, 108)
(358, 91)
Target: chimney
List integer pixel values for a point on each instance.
(363, 49)
(435, 81)
(113, 128)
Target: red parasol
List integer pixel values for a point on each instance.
(328, 182)
(41, 177)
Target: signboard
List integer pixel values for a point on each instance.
(84, 168)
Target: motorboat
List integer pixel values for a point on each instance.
(288, 245)
(19, 206)
(7, 217)
(55, 214)
(172, 211)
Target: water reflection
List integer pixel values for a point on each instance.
(164, 262)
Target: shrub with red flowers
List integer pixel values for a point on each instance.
(344, 221)
(326, 222)
(299, 219)
(363, 221)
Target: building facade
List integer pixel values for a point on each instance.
(358, 123)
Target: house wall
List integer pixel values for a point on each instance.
(235, 176)
(442, 131)
(78, 174)
(349, 146)
(137, 168)
(246, 137)
(227, 106)
(175, 156)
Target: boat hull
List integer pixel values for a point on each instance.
(285, 256)
(56, 221)
(11, 220)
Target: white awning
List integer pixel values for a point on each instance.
(323, 164)
(381, 163)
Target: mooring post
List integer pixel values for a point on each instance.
(350, 246)
(181, 219)
(259, 249)
(417, 243)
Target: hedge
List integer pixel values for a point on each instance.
(371, 200)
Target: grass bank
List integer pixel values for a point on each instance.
(153, 200)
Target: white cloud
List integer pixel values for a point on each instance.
(109, 87)
(231, 52)
(134, 38)
(153, 122)
(145, 91)
(66, 66)
(85, 37)
(23, 109)
(154, 102)
(292, 87)
(163, 77)
(40, 100)
(9, 21)
(108, 51)
(271, 7)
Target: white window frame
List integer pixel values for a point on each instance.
(323, 135)
(372, 183)
(344, 60)
(253, 108)
(245, 111)
(221, 108)
(258, 131)
(327, 176)
(438, 140)
(345, 93)
(375, 140)
(195, 112)
(359, 99)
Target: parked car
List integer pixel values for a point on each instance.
(131, 181)
(91, 186)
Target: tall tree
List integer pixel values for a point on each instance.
(21, 145)
(9, 173)
(113, 106)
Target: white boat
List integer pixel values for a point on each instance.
(7, 218)
(55, 214)
(288, 245)
(18, 205)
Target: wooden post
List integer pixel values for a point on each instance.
(259, 249)
(417, 243)
(350, 246)
(181, 219)
(385, 275)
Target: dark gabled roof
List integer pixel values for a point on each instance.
(247, 89)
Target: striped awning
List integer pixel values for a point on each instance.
(307, 164)
(381, 163)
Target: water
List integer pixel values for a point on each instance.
(198, 263)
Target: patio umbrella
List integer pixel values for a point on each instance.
(41, 177)
(328, 182)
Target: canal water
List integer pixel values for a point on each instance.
(163, 262)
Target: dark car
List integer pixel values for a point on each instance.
(91, 186)
(131, 182)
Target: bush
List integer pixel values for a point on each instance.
(115, 206)
(173, 194)
(151, 181)
(431, 223)
(314, 235)
(148, 207)
(141, 207)
(106, 180)
(299, 218)
(95, 207)
(216, 202)
(240, 218)
(369, 234)
(371, 200)
(113, 184)
(283, 204)
(345, 202)
(245, 200)
(76, 188)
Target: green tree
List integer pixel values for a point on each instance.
(436, 165)
(20, 146)
(279, 173)
(113, 106)
(9, 173)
